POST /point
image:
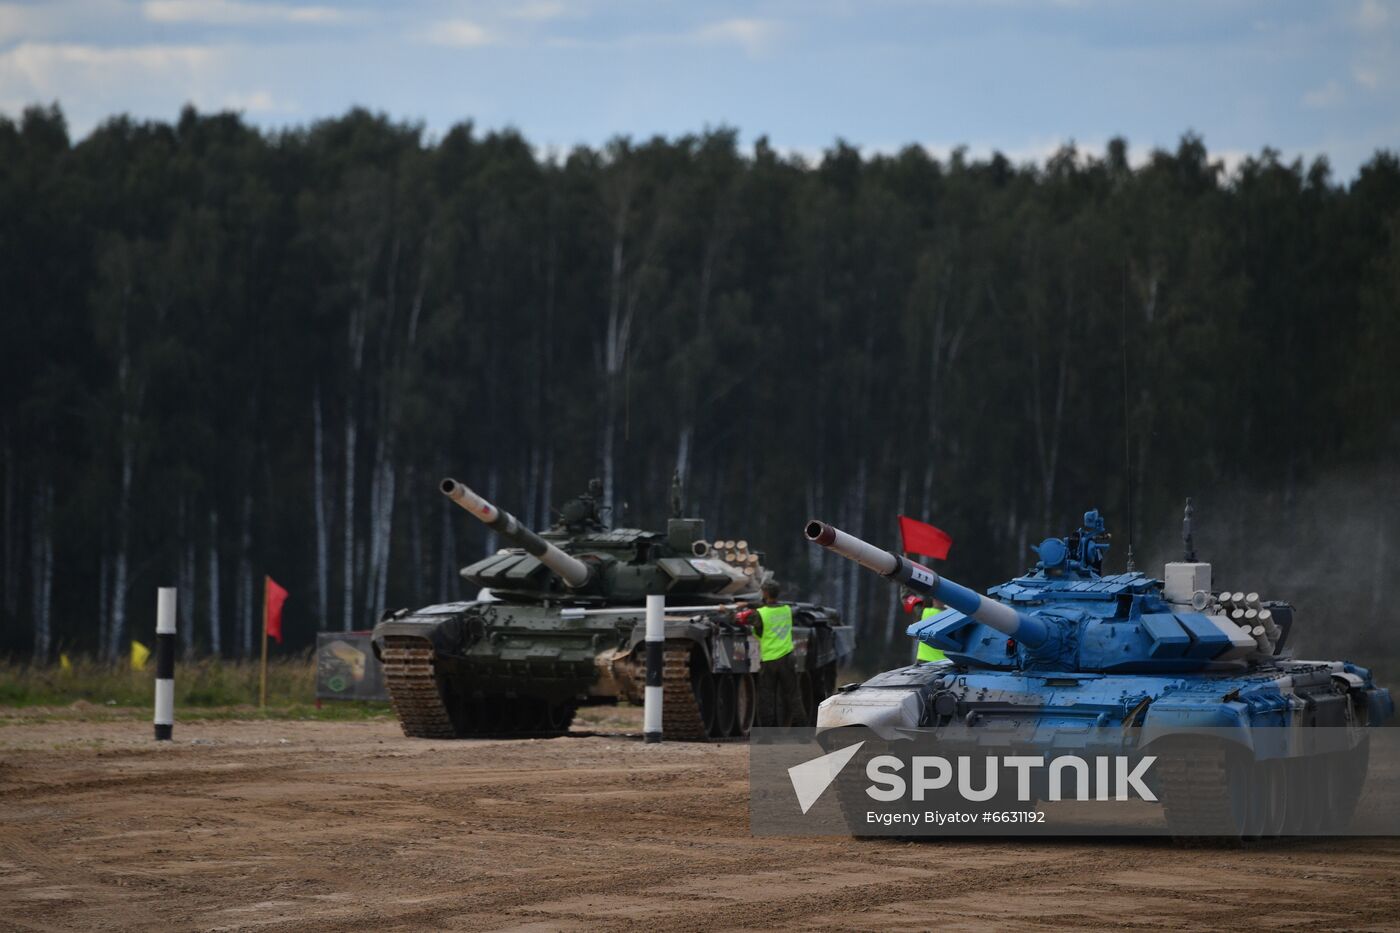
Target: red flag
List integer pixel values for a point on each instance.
(273, 598)
(920, 538)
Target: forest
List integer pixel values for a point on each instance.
(228, 352)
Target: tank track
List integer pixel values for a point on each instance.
(681, 718)
(413, 689)
(418, 702)
(1195, 792)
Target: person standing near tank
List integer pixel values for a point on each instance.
(926, 651)
(779, 699)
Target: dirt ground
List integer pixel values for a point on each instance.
(349, 825)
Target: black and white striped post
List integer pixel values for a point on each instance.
(656, 642)
(165, 663)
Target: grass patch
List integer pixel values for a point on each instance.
(210, 683)
(84, 712)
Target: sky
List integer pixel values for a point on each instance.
(1019, 76)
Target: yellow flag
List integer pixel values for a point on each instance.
(139, 654)
(64, 664)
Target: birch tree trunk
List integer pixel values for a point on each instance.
(215, 626)
(385, 534)
(187, 596)
(447, 570)
(46, 587)
(9, 577)
(245, 596)
(104, 601)
(493, 492)
(119, 573)
(415, 544)
(322, 531)
(611, 365)
(348, 583)
(547, 489)
(532, 489)
(184, 581)
(41, 558)
(370, 578)
(683, 452)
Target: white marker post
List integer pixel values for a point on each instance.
(165, 663)
(656, 642)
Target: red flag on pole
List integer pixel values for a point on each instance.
(927, 540)
(276, 596)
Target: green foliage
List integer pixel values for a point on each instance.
(209, 683)
(849, 338)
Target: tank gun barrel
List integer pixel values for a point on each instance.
(1030, 631)
(571, 570)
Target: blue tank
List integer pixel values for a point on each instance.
(1070, 654)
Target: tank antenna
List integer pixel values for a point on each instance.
(1127, 443)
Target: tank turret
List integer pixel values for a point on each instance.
(600, 565)
(1065, 614)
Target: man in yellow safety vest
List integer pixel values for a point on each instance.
(926, 651)
(779, 699)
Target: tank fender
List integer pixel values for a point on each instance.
(888, 704)
(1348, 680)
(1374, 703)
(741, 654)
(1228, 721)
(1380, 707)
(448, 634)
(886, 712)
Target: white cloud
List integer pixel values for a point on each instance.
(261, 101)
(1371, 14)
(752, 34)
(235, 12)
(93, 83)
(29, 21)
(1366, 76)
(48, 70)
(1326, 97)
(460, 33)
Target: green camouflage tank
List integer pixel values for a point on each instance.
(559, 623)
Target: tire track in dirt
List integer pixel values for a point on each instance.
(283, 826)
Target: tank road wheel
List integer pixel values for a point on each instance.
(1318, 788)
(1348, 780)
(702, 683)
(1272, 791)
(515, 716)
(1295, 796)
(527, 715)
(744, 704)
(561, 716)
(726, 699)
(478, 721)
(1265, 793)
(1205, 790)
